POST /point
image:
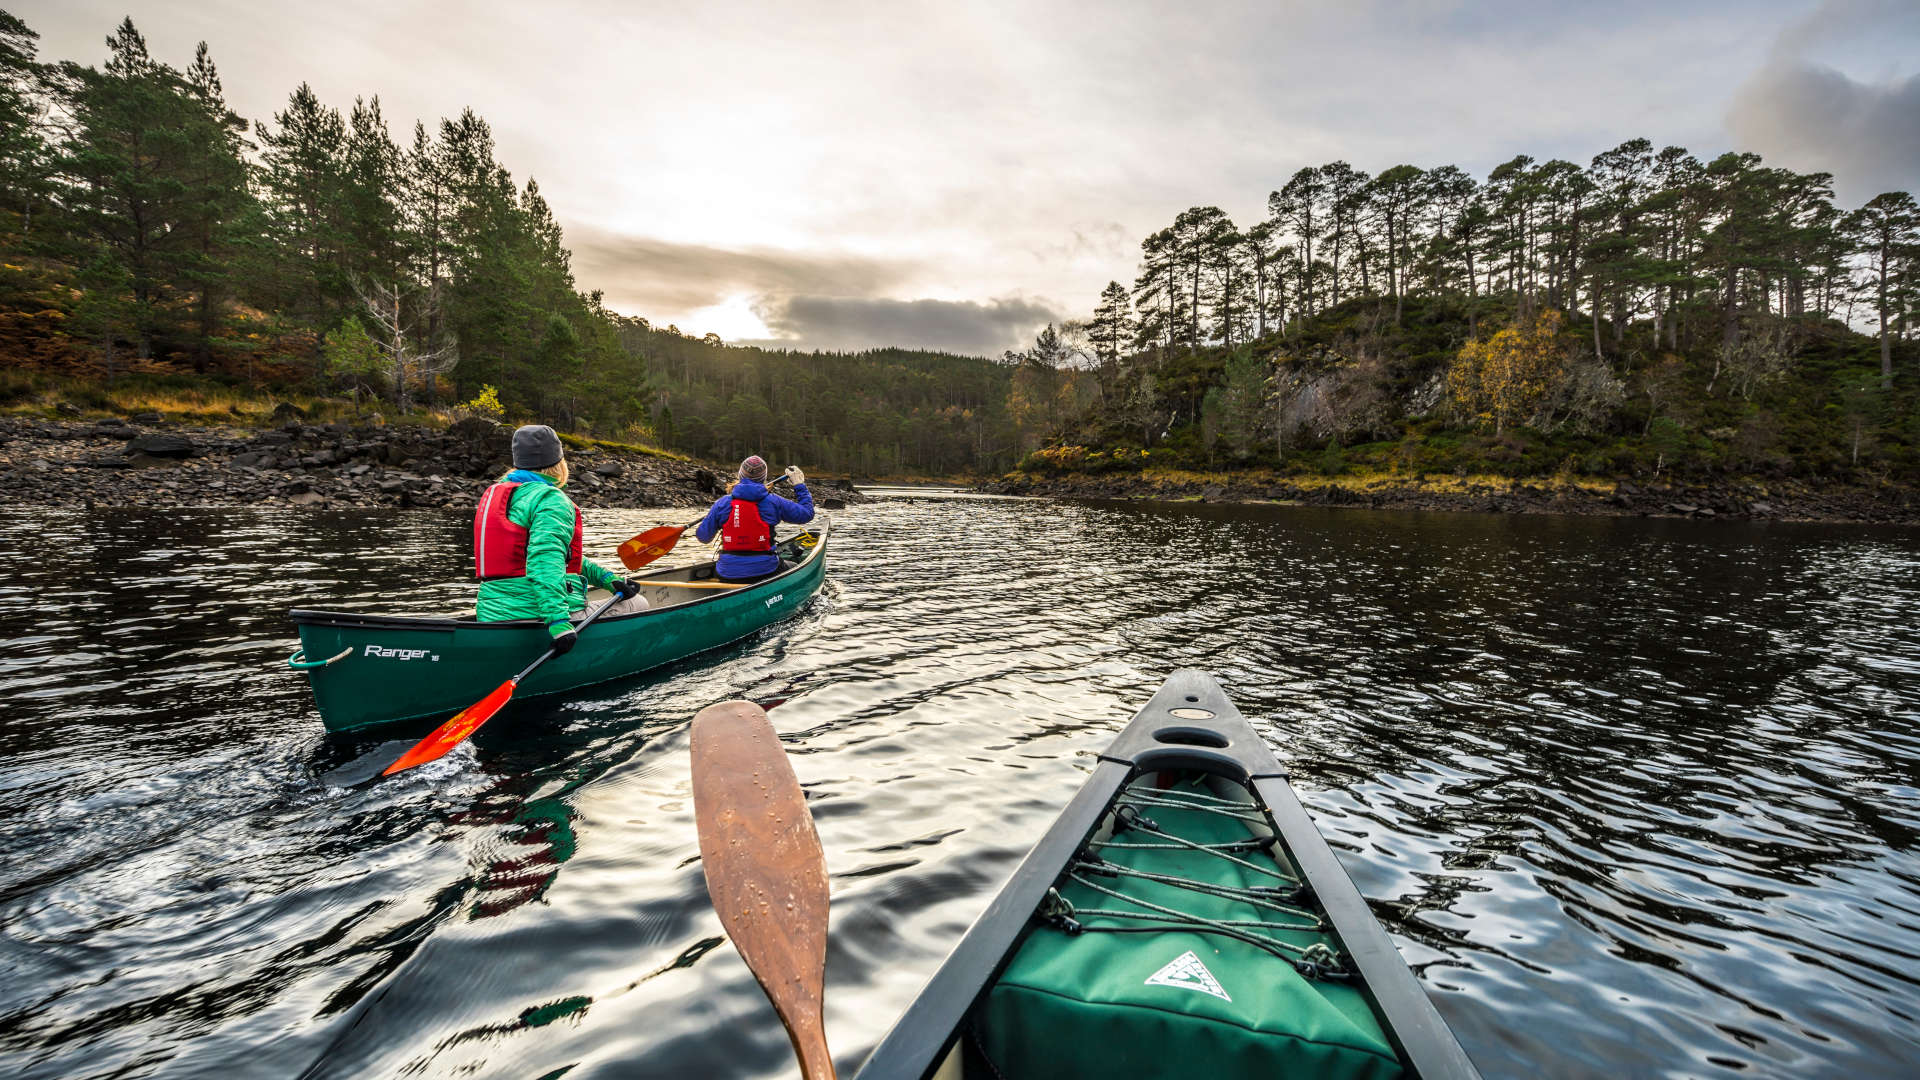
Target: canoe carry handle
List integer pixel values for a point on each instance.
(298, 663)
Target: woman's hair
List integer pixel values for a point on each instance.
(557, 472)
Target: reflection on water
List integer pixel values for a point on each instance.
(1635, 798)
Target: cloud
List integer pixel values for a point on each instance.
(1799, 111)
(807, 300)
(851, 323)
(813, 149)
(661, 279)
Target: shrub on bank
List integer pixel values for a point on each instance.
(1054, 460)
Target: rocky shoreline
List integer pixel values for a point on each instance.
(1729, 501)
(145, 461)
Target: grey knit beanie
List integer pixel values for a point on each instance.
(535, 446)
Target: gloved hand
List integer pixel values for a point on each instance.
(564, 636)
(623, 588)
(794, 474)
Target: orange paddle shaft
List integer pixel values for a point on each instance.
(468, 720)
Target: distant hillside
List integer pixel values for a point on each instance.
(879, 412)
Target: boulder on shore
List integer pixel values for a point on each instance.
(161, 446)
(473, 428)
(300, 464)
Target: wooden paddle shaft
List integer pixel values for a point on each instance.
(694, 584)
(765, 872)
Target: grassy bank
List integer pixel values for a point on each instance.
(197, 401)
(185, 399)
(1729, 497)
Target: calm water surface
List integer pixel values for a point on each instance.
(1635, 798)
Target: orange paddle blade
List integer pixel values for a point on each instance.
(765, 872)
(453, 732)
(650, 545)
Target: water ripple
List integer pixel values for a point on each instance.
(1634, 798)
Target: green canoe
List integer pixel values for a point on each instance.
(377, 669)
(1182, 918)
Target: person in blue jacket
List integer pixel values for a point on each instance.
(744, 519)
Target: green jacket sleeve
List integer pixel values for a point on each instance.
(549, 538)
(598, 577)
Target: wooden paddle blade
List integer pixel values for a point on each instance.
(765, 872)
(455, 731)
(649, 545)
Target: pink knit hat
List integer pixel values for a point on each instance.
(754, 468)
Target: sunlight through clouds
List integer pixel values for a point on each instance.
(971, 153)
(733, 319)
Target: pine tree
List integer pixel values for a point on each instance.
(1298, 208)
(1509, 197)
(1265, 259)
(1229, 280)
(1620, 179)
(130, 172)
(1197, 234)
(1400, 195)
(1345, 189)
(426, 199)
(1886, 230)
(370, 220)
(303, 184)
(219, 204)
(26, 165)
(1156, 290)
(1112, 328)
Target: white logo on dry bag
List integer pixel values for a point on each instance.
(1188, 972)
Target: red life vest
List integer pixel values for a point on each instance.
(745, 532)
(500, 546)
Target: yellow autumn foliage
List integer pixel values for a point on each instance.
(1506, 379)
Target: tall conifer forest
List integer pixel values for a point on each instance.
(1650, 311)
(1647, 312)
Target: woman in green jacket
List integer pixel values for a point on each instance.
(527, 541)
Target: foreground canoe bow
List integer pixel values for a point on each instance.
(1183, 917)
(375, 669)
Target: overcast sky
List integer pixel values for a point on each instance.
(952, 175)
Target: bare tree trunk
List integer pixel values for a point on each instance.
(1473, 298)
(1886, 342)
(202, 353)
(1597, 353)
(399, 358)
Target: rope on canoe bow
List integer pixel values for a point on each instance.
(1314, 961)
(1265, 896)
(1263, 843)
(1167, 799)
(1136, 821)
